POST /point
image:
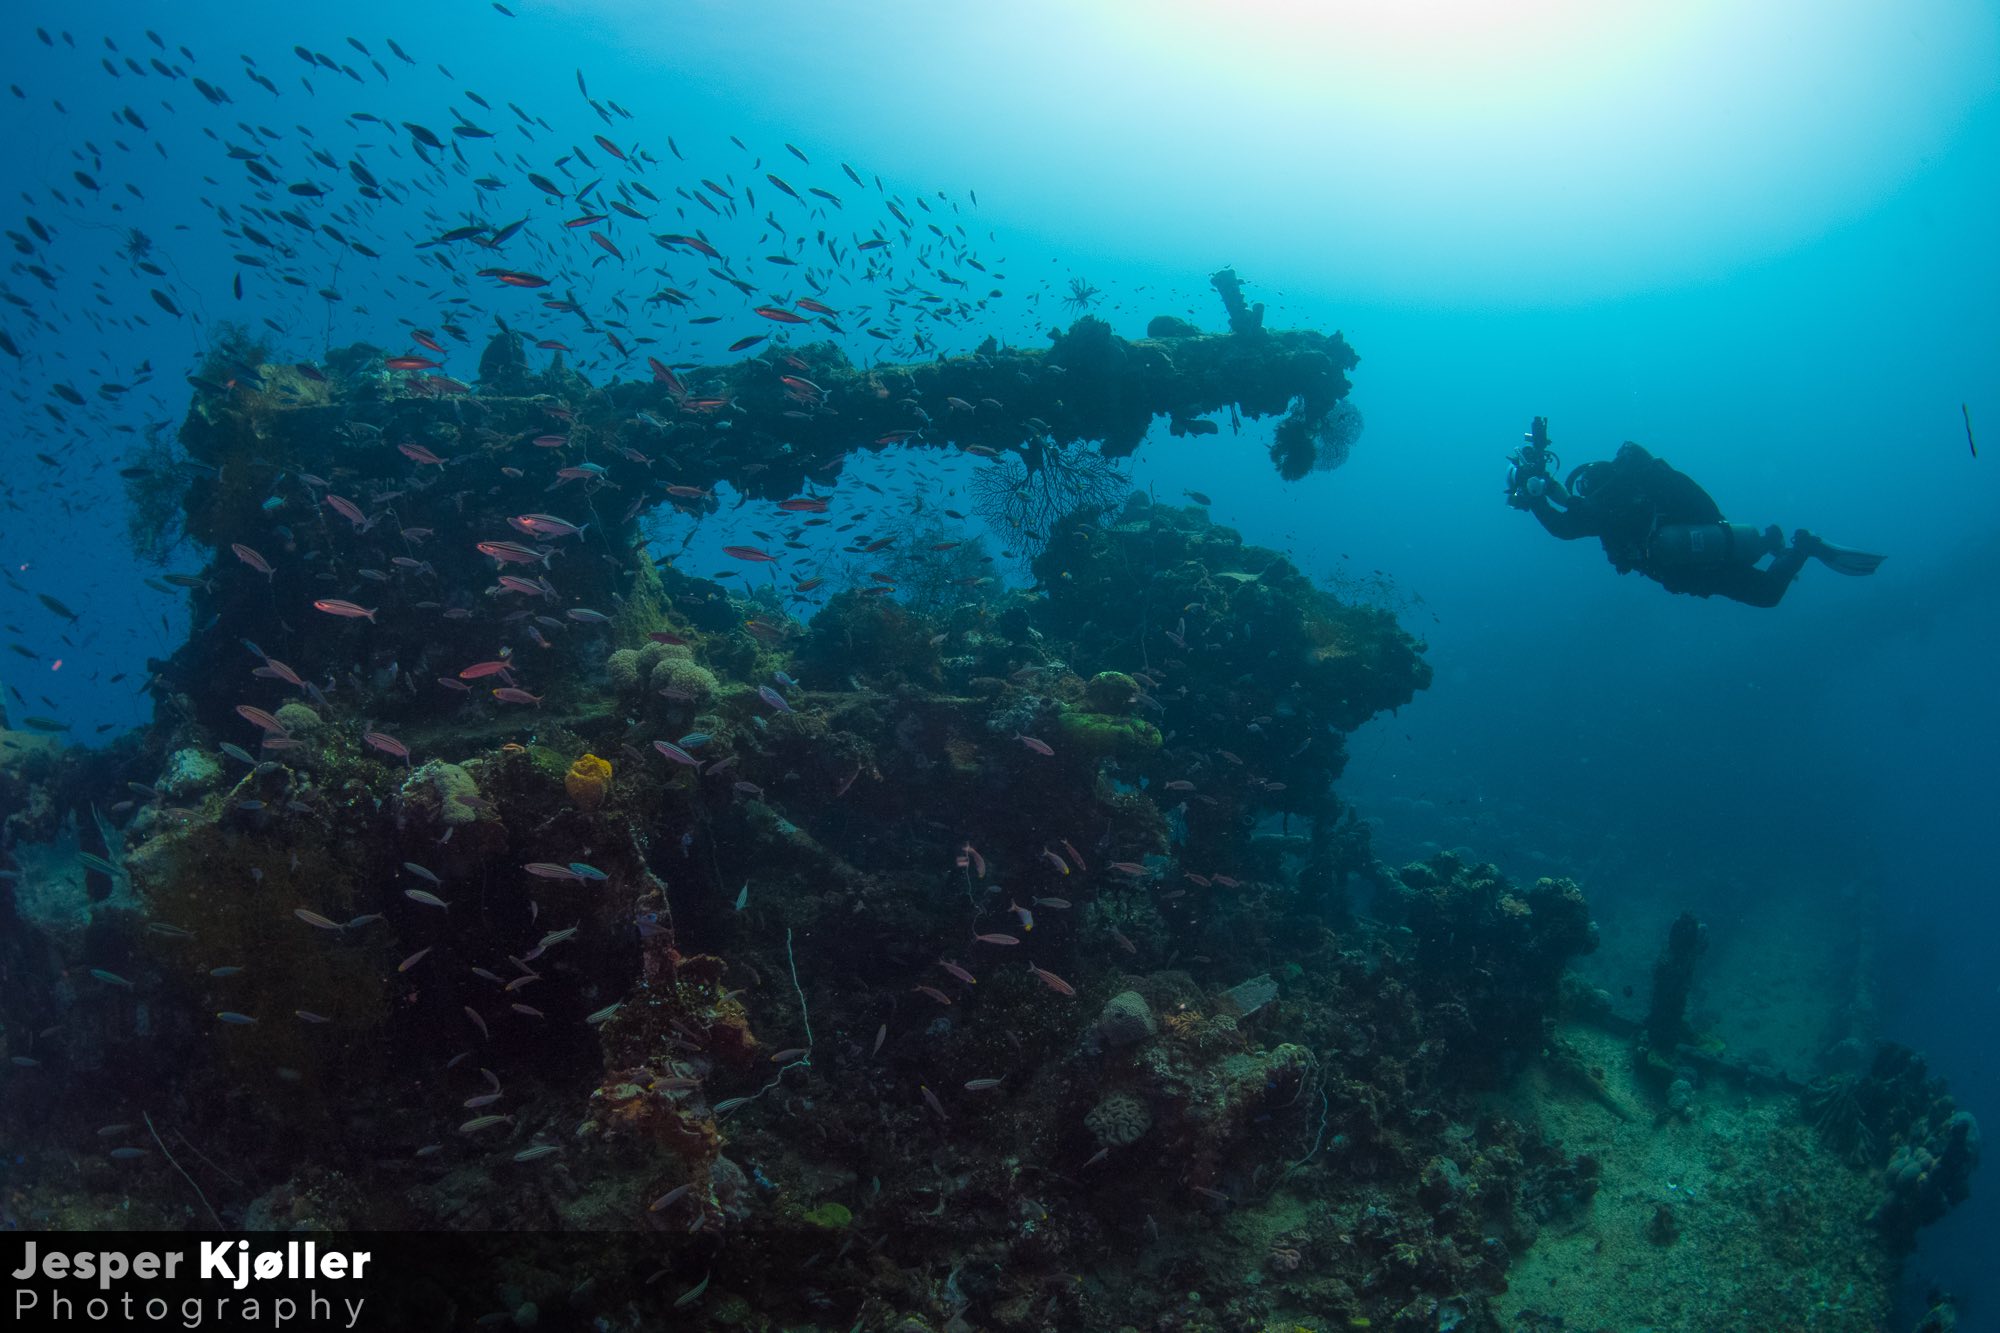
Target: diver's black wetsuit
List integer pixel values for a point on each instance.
(1656, 520)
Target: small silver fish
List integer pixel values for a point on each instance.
(667, 1200)
(693, 1293)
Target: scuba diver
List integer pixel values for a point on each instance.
(1658, 521)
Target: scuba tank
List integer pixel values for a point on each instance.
(1701, 545)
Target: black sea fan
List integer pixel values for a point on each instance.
(1023, 498)
(933, 565)
(1305, 443)
(153, 492)
(1336, 436)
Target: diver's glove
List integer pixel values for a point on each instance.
(1524, 491)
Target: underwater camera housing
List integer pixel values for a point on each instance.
(1528, 467)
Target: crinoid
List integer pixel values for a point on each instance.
(1082, 296)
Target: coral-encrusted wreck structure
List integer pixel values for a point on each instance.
(988, 965)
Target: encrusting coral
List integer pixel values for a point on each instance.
(588, 781)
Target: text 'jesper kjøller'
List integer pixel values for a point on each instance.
(230, 1262)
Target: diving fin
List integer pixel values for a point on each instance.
(1845, 559)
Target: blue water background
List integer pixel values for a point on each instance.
(1764, 250)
